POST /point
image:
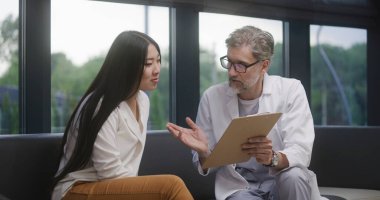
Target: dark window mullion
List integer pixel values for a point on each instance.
(35, 73)
(373, 71)
(298, 48)
(185, 69)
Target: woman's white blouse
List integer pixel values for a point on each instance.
(117, 150)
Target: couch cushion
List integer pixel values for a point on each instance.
(164, 154)
(350, 194)
(346, 157)
(28, 162)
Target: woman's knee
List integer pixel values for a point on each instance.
(178, 189)
(175, 181)
(173, 178)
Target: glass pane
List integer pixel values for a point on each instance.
(9, 110)
(338, 75)
(214, 30)
(82, 32)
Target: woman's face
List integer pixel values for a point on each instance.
(151, 72)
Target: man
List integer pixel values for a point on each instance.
(278, 165)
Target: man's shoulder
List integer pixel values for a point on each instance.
(217, 88)
(282, 81)
(217, 91)
(274, 84)
(277, 78)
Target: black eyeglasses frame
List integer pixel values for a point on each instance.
(225, 58)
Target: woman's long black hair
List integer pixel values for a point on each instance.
(118, 79)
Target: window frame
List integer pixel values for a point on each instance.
(35, 53)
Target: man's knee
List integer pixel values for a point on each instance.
(293, 184)
(291, 176)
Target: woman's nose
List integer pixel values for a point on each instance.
(157, 68)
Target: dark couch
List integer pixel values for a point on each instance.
(342, 157)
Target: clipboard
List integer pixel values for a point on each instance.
(228, 149)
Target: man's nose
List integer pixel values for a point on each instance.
(232, 71)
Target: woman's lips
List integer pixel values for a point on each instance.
(155, 80)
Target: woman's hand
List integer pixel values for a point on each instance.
(193, 137)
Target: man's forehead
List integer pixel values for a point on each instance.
(242, 52)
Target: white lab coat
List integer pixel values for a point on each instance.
(117, 150)
(293, 134)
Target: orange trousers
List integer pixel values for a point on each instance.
(155, 187)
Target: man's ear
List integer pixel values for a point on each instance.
(265, 66)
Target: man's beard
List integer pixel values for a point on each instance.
(239, 86)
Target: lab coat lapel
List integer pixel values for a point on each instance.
(265, 96)
(232, 104)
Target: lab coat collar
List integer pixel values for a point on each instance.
(267, 85)
(232, 102)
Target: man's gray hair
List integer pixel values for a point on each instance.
(261, 42)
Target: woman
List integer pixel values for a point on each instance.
(105, 136)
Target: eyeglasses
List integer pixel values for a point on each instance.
(239, 67)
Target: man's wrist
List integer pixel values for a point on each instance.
(275, 159)
(204, 154)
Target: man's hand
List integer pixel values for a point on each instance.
(260, 148)
(193, 137)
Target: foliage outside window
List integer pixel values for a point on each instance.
(338, 75)
(214, 30)
(81, 38)
(9, 109)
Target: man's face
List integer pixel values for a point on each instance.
(244, 82)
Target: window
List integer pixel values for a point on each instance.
(9, 109)
(214, 30)
(338, 75)
(82, 32)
